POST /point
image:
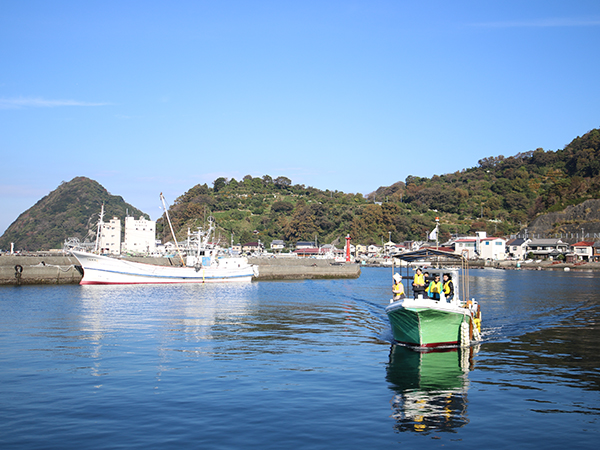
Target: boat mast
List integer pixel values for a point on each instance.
(171, 227)
(437, 238)
(437, 233)
(100, 222)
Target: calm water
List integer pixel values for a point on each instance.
(296, 364)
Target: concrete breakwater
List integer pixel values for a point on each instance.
(21, 270)
(303, 268)
(25, 270)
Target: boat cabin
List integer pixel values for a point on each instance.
(430, 259)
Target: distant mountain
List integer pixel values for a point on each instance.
(68, 211)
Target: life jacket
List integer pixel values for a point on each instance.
(419, 279)
(398, 288)
(448, 287)
(435, 288)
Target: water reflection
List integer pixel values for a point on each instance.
(431, 388)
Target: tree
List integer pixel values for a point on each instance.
(219, 184)
(282, 182)
(281, 207)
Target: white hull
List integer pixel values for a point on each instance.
(105, 270)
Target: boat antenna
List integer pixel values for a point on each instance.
(100, 222)
(162, 198)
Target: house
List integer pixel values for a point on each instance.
(517, 248)
(389, 248)
(466, 247)
(305, 244)
(332, 251)
(307, 252)
(493, 248)
(374, 250)
(596, 249)
(481, 247)
(277, 245)
(252, 247)
(400, 248)
(361, 249)
(584, 250)
(168, 248)
(547, 248)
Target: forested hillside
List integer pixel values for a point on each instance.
(500, 195)
(68, 211)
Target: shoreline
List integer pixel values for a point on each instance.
(504, 265)
(50, 269)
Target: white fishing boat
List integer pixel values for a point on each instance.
(421, 321)
(203, 264)
(98, 269)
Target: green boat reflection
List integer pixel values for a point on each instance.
(431, 388)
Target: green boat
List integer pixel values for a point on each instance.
(420, 321)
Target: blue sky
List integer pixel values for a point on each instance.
(148, 96)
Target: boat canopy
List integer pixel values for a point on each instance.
(425, 253)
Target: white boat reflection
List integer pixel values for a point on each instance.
(172, 321)
(431, 388)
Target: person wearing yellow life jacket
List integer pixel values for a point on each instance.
(419, 283)
(398, 287)
(448, 287)
(435, 288)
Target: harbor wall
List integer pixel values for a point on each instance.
(21, 270)
(303, 269)
(26, 270)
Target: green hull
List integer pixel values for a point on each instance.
(426, 327)
(426, 370)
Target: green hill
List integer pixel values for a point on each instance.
(501, 195)
(68, 211)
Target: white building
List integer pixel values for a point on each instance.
(584, 250)
(301, 245)
(517, 248)
(140, 235)
(374, 250)
(110, 237)
(481, 247)
(493, 248)
(277, 245)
